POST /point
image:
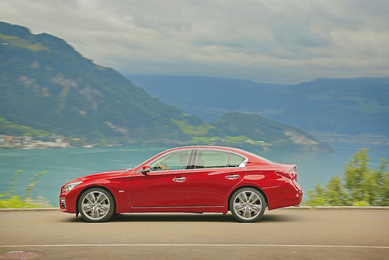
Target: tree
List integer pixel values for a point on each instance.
(317, 196)
(359, 180)
(360, 186)
(335, 194)
(382, 181)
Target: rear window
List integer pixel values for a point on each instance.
(211, 159)
(217, 159)
(235, 160)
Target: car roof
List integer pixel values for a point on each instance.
(208, 147)
(224, 148)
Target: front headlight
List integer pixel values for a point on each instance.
(70, 186)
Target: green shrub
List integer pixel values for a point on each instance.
(8, 200)
(360, 186)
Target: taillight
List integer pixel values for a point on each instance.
(290, 174)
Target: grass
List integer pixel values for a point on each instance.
(18, 42)
(9, 200)
(191, 129)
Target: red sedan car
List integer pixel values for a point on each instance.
(187, 179)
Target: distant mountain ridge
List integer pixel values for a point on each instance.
(46, 85)
(55, 89)
(262, 129)
(344, 106)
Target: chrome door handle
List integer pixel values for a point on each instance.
(180, 179)
(232, 177)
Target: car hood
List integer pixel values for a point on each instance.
(106, 174)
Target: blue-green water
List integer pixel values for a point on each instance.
(67, 164)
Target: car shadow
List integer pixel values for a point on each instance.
(173, 218)
(190, 217)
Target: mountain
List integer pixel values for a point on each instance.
(343, 106)
(260, 129)
(48, 87)
(207, 97)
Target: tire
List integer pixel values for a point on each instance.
(247, 205)
(96, 205)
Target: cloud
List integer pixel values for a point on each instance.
(262, 40)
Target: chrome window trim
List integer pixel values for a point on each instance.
(243, 164)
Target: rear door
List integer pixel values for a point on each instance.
(214, 174)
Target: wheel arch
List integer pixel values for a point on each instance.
(247, 186)
(95, 186)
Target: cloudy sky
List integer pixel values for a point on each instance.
(276, 41)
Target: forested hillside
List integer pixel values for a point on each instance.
(48, 87)
(260, 128)
(343, 106)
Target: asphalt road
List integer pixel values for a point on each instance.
(281, 234)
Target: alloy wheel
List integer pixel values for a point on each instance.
(247, 205)
(96, 205)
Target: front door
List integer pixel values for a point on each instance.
(165, 185)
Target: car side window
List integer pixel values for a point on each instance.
(211, 159)
(171, 161)
(235, 160)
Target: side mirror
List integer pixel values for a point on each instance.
(145, 169)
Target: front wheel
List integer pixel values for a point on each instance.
(247, 205)
(96, 205)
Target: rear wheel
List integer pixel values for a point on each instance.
(96, 205)
(247, 205)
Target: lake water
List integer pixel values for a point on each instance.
(64, 165)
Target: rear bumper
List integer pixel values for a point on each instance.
(289, 193)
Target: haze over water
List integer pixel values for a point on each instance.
(64, 165)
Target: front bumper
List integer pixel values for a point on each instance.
(68, 201)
